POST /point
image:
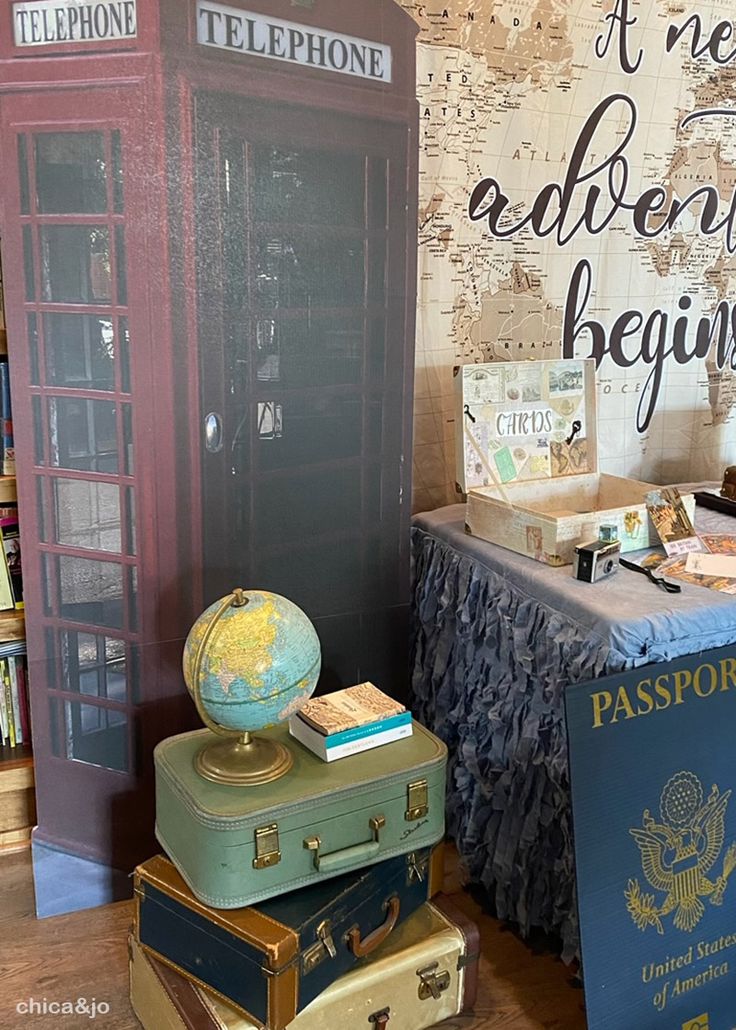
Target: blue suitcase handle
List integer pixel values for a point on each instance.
(351, 857)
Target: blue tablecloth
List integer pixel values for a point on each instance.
(496, 639)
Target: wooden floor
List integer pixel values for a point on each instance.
(84, 955)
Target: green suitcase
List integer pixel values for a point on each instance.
(236, 846)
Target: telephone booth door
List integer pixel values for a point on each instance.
(301, 217)
(209, 265)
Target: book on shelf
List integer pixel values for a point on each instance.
(12, 576)
(12, 647)
(24, 700)
(4, 723)
(349, 721)
(15, 700)
(9, 708)
(15, 723)
(6, 590)
(6, 421)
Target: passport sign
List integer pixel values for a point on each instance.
(652, 775)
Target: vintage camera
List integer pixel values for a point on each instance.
(596, 561)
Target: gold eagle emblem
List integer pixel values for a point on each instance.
(678, 852)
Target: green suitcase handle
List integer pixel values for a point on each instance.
(351, 856)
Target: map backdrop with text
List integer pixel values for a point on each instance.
(577, 198)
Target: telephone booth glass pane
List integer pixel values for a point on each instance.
(308, 187)
(94, 665)
(91, 591)
(87, 514)
(75, 264)
(25, 201)
(80, 351)
(309, 270)
(32, 325)
(83, 434)
(28, 269)
(70, 173)
(94, 734)
(321, 350)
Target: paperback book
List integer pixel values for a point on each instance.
(350, 721)
(346, 709)
(15, 727)
(10, 536)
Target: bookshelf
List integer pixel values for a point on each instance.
(18, 803)
(17, 793)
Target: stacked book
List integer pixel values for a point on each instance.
(349, 721)
(15, 720)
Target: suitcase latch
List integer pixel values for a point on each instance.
(431, 982)
(267, 846)
(317, 952)
(416, 867)
(416, 801)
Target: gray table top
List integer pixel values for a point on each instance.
(625, 611)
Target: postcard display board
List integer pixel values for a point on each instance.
(210, 278)
(527, 458)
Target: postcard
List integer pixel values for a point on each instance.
(672, 521)
(712, 564)
(719, 543)
(675, 568)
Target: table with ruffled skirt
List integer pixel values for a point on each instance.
(496, 639)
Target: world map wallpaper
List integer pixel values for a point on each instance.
(576, 199)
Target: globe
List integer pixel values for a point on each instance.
(250, 661)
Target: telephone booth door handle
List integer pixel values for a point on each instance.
(213, 432)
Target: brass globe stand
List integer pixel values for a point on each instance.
(240, 759)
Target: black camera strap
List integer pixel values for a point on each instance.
(659, 581)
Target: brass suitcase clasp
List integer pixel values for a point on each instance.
(431, 982)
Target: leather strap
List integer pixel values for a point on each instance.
(469, 960)
(183, 995)
(659, 581)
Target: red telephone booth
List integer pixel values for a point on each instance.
(208, 244)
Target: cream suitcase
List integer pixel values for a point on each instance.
(426, 972)
(527, 458)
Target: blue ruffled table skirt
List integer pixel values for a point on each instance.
(496, 639)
